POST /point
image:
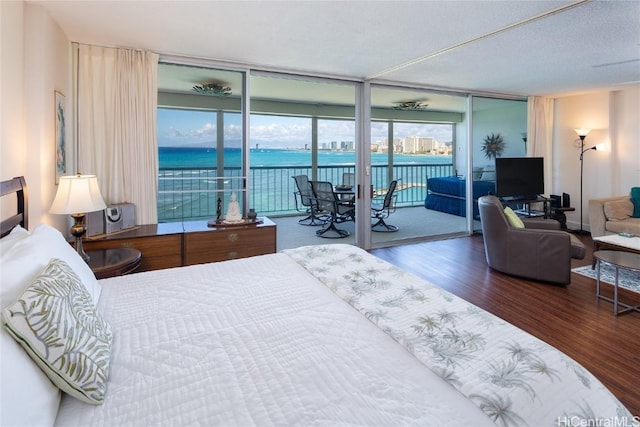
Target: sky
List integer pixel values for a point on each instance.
(191, 128)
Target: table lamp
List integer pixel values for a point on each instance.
(77, 195)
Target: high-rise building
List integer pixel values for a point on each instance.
(347, 145)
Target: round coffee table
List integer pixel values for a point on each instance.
(619, 260)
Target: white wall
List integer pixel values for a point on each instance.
(13, 142)
(36, 57)
(506, 117)
(613, 118)
(625, 133)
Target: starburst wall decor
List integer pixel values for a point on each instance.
(493, 146)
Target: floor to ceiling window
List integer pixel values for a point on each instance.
(307, 126)
(298, 126)
(200, 142)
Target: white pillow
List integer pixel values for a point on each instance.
(6, 243)
(35, 399)
(30, 255)
(57, 323)
(29, 398)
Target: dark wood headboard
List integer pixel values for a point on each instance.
(18, 186)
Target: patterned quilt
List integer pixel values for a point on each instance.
(515, 378)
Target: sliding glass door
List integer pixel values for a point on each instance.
(499, 130)
(415, 138)
(300, 126)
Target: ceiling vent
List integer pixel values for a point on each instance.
(213, 89)
(410, 105)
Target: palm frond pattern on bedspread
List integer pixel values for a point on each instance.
(513, 377)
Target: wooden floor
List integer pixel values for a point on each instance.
(568, 317)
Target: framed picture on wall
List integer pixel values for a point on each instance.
(61, 146)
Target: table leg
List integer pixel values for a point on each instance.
(596, 247)
(597, 278)
(615, 295)
(615, 300)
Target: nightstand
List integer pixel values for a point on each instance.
(114, 262)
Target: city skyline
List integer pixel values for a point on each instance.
(193, 128)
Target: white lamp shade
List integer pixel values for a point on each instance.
(77, 194)
(582, 131)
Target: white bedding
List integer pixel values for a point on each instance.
(515, 378)
(256, 342)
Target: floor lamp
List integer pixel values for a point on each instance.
(582, 133)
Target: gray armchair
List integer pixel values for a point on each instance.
(540, 251)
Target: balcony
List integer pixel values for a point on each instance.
(190, 194)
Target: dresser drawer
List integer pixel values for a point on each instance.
(226, 244)
(157, 252)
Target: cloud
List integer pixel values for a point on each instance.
(297, 133)
(281, 131)
(207, 131)
(175, 133)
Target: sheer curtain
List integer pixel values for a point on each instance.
(540, 134)
(117, 103)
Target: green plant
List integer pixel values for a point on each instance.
(493, 146)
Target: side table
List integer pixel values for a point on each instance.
(114, 262)
(618, 259)
(559, 215)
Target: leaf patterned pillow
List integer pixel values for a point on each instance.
(58, 325)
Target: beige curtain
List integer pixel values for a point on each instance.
(116, 125)
(540, 134)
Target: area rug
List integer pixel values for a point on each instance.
(627, 279)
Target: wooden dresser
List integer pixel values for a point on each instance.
(208, 244)
(185, 243)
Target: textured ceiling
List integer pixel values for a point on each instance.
(507, 47)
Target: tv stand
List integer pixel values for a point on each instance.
(526, 202)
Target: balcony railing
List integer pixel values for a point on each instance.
(192, 193)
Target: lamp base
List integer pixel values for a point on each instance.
(77, 230)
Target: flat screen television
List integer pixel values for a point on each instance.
(519, 178)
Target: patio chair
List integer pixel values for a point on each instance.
(327, 200)
(348, 178)
(305, 194)
(381, 211)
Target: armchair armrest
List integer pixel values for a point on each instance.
(541, 254)
(544, 224)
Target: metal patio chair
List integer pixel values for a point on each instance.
(327, 200)
(381, 211)
(307, 202)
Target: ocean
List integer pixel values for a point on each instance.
(189, 184)
(181, 157)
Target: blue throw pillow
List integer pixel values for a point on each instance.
(636, 207)
(635, 199)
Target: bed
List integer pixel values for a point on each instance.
(316, 335)
(448, 194)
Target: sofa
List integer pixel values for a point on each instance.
(612, 215)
